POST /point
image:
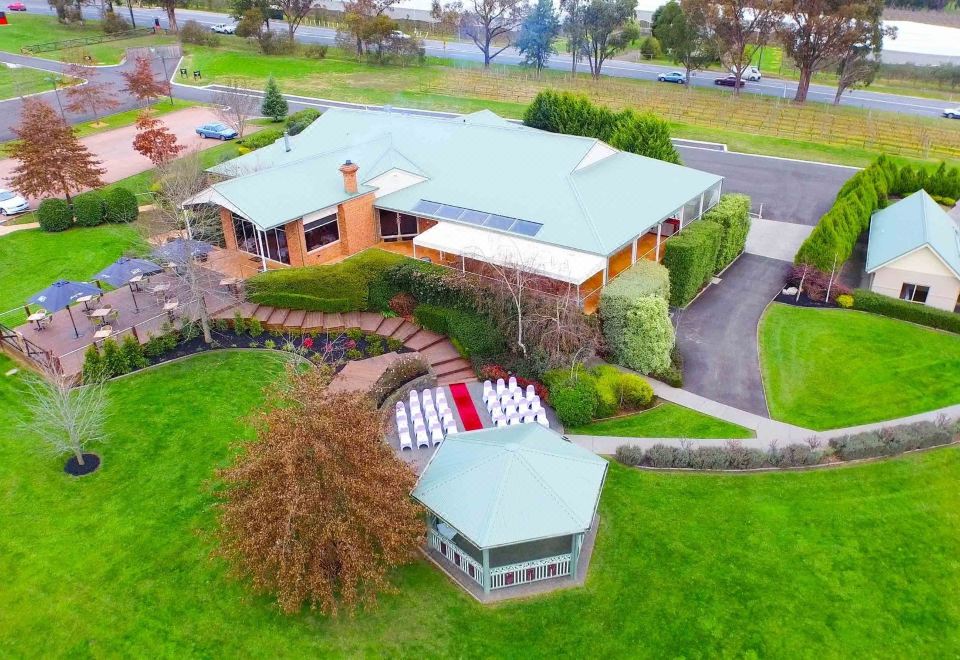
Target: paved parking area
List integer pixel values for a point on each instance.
(774, 239)
(717, 333)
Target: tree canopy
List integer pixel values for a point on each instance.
(537, 34)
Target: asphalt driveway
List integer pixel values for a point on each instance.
(717, 333)
(789, 190)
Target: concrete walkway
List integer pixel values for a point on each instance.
(9, 229)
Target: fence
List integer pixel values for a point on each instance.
(749, 113)
(84, 41)
(458, 557)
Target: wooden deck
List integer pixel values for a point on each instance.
(437, 351)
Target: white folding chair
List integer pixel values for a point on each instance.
(418, 424)
(439, 395)
(500, 386)
(542, 419)
(492, 403)
(531, 392)
(529, 418)
(501, 422)
(512, 386)
(405, 441)
(523, 408)
(442, 407)
(436, 434)
(487, 387)
(422, 439)
(426, 395)
(509, 410)
(450, 430)
(513, 420)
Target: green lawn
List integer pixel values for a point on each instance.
(21, 81)
(858, 561)
(667, 420)
(826, 369)
(26, 29)
(31, 260)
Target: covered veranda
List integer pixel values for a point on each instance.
(510, 507)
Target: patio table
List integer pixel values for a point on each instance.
(86, 301)
(98, 315)
(134, 282)
(36, 317)
(103, 332)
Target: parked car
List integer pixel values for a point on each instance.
(12, 203)
(674, 77)
(751, 73)
(952, 113)
(729, 81)
(224, 28)
(216, 130)
(397, 34)
(17, 6)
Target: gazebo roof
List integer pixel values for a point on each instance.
(504, 486)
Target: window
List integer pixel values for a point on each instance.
(273, 241)
(397, 226)
(321, 232)
(914, 293)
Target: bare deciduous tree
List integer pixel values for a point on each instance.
(486, 21)
(236, 106)
(93, 96)
(559, 327)
(66, 418)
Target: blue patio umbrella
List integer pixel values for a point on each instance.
(179, 250)
(121, 270)
(63, 294)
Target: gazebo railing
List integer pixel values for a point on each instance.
(529, 571)
(458, 557)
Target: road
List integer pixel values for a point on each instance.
(618, 68)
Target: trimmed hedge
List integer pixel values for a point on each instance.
(732, 213)
(120, 205)
(301, 119)
(691, 258)
(636, 319)
(732, 456)
(575, 402)
(892, 440)
(261, 139)
(89, 209)
(877, 303)
(340, 287)
(54, 215)
(643, 278)
(474, 334)
(589, 394)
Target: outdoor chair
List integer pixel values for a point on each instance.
(523, 409)
(442, 407)
(529, 418)
(513, 420)
(45, 322)
(451, 430)
(446, 418)
(510, 410)
(422, 439)
(436, 434)
(487, 387)
(542, 419)
(400, 409)
(512, 384)
(405, 441)
(439, 395)
(419, 425)
(500, 423)
(500, 386)
(531, 392)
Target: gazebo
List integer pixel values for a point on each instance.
(508, 506)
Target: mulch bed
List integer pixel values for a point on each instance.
(90, 464)
(803, 301)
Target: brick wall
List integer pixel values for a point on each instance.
(229, 238)
(358, 229)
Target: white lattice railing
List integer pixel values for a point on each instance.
(529, 571)
(458, 557)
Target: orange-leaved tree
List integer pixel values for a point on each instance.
(143, 84)
(51, 160)
(93, 96)
(317, 510)
(154, 140)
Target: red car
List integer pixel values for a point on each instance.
(17, 6)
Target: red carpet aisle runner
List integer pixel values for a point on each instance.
(464, 402)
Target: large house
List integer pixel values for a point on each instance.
(914, 253)
(460, 192)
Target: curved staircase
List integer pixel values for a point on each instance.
(436, 349)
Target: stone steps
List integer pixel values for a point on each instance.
(350, 319)
(423, 339)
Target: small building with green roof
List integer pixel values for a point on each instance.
(510, 506)
(914, 253)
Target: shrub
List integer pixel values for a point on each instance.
(300, 120)
(634, 392)
(645, 134)
(475, 333)
(732, 213)
(815, 283)
(261, 138)
(396, 376)
(650, 48)
(114, 23)
(54, 215)
(93, 366)
(88, 209)
(133, 353)
(638, 330)
(155, 347)
(606, 385)
(644, 278)
(575, 402)
(845, 300)
(432, 317)
(353, 354)
(254, 327)
(660, 456)
(114, 360)
(877, 303)
(192, 32)
(315, 51)
(691, 258)
(629, 455)
(394, 345)
(672, 375)
(403, 304)
(120, 205)
(892, 440)
(239, 323)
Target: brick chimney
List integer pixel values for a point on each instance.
(349, 172)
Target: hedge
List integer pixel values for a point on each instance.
(261, 139)
(474, 333)
(643, 278)
(892, 440)
(691, 257)
(588, 394)
(575, 402)
(732, 456)
(89, 209)
(54, 215)
(637, 325)
(120, 205)
(877, 303)
(301, 119)
(732, 213)
(340, 287)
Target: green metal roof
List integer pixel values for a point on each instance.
(503, 486)
(913, 222)
(479, 161)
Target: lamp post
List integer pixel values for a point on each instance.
(53, 81)
(166, 78)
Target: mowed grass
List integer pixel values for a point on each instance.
(826, 369)
(21, 81)
(31, 260)
(666, 420)
(26, 29)
(858, 561)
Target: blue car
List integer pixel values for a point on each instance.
(217, 130)
(674, 76)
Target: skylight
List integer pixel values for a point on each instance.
(479, 218)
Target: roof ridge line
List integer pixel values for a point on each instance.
(586, 213)
(556, 496)
(495, 502)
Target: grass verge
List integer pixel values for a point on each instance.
(666, 420)
(825, 369)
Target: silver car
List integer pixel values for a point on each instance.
(12, 203)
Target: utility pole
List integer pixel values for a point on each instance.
(53, 81)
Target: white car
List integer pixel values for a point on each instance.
(11, 203)
(397, 34)
(224, 28)
(751, 73)
(952, 113)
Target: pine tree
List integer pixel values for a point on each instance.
(274, 105)
(52, 161)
